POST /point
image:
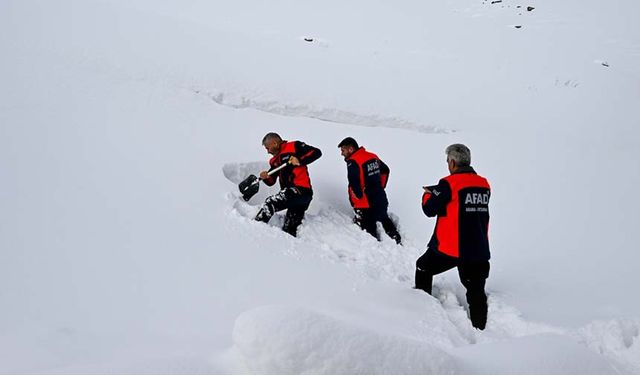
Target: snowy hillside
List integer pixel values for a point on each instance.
(125, 128)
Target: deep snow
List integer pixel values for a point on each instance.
(124, 129)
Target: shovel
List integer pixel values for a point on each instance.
(250, 185)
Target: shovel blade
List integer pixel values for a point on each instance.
(249, 187)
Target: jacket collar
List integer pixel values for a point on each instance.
(360, 149)
(282, 145)
(468, 169)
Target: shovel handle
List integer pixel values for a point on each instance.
(275, 170)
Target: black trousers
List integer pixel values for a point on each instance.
(366, 219)
(473, 276)
(295, 201)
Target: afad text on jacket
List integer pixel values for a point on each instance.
(461, 202)
(368, 177)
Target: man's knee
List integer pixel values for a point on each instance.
(266, 212)
(423, 263)
(277, 200)
(424, 275)
(473, 272)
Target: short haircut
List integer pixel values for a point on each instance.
(460, 154)
(271, 136)
(348, 142)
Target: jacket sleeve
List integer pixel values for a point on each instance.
(353, 175)
(307, 154)
(384, 174)
(273, 178)
(435, 203)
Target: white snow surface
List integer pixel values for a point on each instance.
(126, 126)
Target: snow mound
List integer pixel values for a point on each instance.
(282, 340)
(618, 339)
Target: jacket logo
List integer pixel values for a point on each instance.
(476, 198)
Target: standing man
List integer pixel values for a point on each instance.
(295, 185)
(368, 177)
(460, 238)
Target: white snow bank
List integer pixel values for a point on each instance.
(617, 338)
(288, 340)
(236, 172)
(336, 115)
(284, 340)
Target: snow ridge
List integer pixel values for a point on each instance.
(319, 113)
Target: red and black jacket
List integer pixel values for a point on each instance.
(293, 176)
(461, 202)
(368, 177)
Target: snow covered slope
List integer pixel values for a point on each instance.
(124, 129)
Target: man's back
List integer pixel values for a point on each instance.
(461, 201)
(367, 178)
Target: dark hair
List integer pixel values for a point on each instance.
(348, 142)
(271, 136)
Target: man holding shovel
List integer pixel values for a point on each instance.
(295, 185)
